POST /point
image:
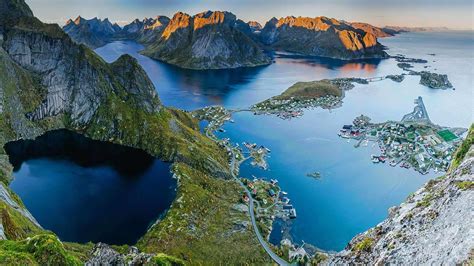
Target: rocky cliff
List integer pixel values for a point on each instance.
(93, 33)
(321, 36)
(376, 31)
(433, 226)
(208, 40)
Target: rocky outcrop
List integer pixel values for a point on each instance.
(208, 40)
(434, 80)
(103, 254)
(93, 33)
(255, 26)
(321, 36)
(432, 227)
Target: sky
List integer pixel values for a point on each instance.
(455, 14)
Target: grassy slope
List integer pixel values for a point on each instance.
(199, 226)
(311, 89)
(464, 148)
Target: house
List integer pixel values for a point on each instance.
(271, 192)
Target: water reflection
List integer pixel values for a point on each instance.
(83, 191)
(192, 89)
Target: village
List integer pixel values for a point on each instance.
(293, 107)
(412, 142)
(271, 202)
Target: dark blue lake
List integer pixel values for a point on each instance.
(353, 194)
(85, 190)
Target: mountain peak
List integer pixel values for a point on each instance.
(79, 20)
(11, 10)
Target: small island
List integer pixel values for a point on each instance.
(326, 93)
(315, 175)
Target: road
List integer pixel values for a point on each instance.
(260, 238)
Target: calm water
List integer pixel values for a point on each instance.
(83, 191)
(353, 194)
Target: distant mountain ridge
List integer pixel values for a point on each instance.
(93, 33)
(218, 39)
(321, 36)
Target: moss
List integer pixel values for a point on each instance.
(15, 225)
(364, 245)
(43, 249)
(80, 251)
(166, 260)
(426, 201)
(465, 185)
(318, 259)
(463, 149)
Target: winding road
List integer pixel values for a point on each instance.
(260, 238)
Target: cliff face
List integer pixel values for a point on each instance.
(321, 36)
(93, 33)
(433, 226)
(75, 79)
(209, 40)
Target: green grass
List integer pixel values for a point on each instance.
(312, 89)
(199, 226)
(465, 185)
(15, 225)
(447, 135)
(364, 245)
(166, 260)
(426, 201)
(463, 149)
(43, 249)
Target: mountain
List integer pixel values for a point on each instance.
(432, 227)
(146, 30)
(398, 29)
(321, 36)
(255, 26)
(93, 33)
(376, 31)
(208, 40)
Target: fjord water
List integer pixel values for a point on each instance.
(85, 190)
(353, 194)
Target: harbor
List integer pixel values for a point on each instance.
(414, 142)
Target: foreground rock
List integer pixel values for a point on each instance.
(103, 254)
(208, 40)
(321, 36)
(433, 226)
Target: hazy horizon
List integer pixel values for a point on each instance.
(456, 14)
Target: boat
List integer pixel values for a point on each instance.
(284, 193)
